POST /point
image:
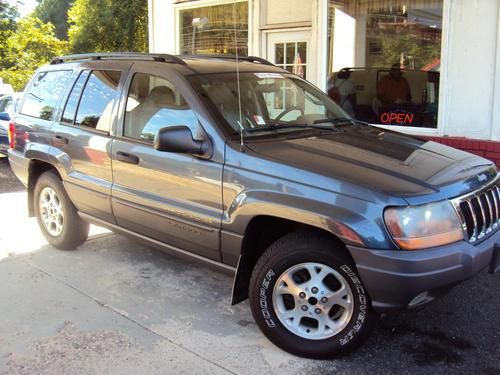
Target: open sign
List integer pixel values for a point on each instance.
(397, 117)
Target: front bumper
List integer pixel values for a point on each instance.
(401, 279)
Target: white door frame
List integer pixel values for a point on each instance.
(292, 35)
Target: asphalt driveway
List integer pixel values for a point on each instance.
(117, 307)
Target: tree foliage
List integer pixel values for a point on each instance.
(32, 45)
(55, 12)
(8, 16)
(108, 25)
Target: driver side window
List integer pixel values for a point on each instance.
(154, 103)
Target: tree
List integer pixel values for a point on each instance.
(108, 25)
(33, 44)
(55, 12)
(8, 15)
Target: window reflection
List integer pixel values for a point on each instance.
(154, 103)
(389, 51)
(210, 30)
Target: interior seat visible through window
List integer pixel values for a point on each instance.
(154, 103)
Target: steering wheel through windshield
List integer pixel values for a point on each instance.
(288, 110)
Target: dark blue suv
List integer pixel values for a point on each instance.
(323, 220)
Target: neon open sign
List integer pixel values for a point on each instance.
(397, 118)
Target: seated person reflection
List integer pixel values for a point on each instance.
(393, 88)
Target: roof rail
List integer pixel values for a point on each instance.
(119, 55)
(233, 57)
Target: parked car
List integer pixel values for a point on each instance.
(324, 220)
(5, 88)
(8, 106)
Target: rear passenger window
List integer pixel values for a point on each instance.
(96, 103)
(154, 103)
(72, 103)
(44, 93)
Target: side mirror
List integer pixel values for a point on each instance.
(179, 139)
(4, 116)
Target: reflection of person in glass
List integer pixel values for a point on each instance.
(393, 88)
(343, 91)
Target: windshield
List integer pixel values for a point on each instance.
(269, 101)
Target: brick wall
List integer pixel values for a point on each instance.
(487, 149)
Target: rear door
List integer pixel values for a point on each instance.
(173, 198)
(83, 136)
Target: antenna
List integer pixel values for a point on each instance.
(240, 122)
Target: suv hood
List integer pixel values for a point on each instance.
(389, 162)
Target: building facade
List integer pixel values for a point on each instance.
(426, 67)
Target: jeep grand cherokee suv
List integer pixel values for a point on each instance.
(323, 220)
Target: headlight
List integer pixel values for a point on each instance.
(420, 227)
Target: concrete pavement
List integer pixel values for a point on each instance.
(118, 307)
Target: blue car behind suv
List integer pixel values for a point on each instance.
(8, 106)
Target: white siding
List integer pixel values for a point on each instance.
(468, 76)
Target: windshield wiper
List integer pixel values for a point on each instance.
(340, 121)
(287, 126)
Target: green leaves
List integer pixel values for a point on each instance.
(108, 26)
(32, 45)
(55, 12)
(90, 25)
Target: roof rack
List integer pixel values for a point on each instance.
(233, 57)
(119, 55)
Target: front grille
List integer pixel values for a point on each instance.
(479, 212)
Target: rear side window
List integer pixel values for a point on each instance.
(72, 103)
(5, 105)
(96, 104)
(43, 94)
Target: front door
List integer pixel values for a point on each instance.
(292, 50)
(173, 198)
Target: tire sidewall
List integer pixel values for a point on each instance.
(48, 179)
(272, 327)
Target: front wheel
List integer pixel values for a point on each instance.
(308, 299)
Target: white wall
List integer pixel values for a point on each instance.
(470, 72)
(162, 31)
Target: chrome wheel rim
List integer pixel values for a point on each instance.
(313, 301)
(51, 211)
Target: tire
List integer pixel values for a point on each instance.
(56, 215)
(326, 329)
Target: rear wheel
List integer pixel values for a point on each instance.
(56, 215)
(308, 299)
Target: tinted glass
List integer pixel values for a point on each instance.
(154, 103)
(72, 103)
(96, 104)
(44, 93)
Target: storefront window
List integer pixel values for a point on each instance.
(211, 29)
(384, 59)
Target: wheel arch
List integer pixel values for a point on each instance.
(36, 168)
(260, 233)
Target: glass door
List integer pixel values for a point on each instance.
(290, 50)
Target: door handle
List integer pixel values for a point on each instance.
(61, 139)
(127, 158)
